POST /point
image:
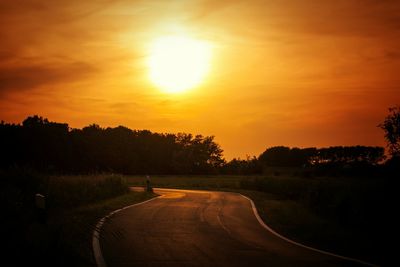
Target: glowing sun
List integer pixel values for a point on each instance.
(178, 63)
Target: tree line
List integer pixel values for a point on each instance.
(48, 146)
(317, 159)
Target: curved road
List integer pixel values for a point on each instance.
(199, 228)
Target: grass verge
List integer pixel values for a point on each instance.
(66, 238)
(299, 223)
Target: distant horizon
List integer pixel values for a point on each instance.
(384, 145)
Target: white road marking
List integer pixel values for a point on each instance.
(299, 244)
(98, 255)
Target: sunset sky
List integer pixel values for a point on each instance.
(296, 73)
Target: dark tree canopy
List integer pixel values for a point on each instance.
(286, 157)
(391, 126)
(50, 146)
(339, 155)
(44, 145)
(250, 165)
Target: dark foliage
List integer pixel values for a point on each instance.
(54, 147)
(336, 161)
(310, 162)
(287, 157)
(241, 166)
(391, 127)
(340, 155)
(40, 236)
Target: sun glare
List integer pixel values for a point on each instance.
(178, 63)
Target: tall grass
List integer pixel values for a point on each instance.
(24, 234)
(72, 191)
(21, 185)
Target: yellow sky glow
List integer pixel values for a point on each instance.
(178, 63)
(253, 73)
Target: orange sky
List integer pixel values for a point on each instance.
(296, 73)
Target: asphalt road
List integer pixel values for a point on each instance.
(200, 228)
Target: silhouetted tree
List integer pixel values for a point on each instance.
(391, 126)
(340, 155)
(197, 154)
(338, 160)
(250, 165)
(286, 157)
(50, 146)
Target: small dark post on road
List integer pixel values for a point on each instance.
(148, 184)
(40, 203)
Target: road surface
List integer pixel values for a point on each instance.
(199, 228)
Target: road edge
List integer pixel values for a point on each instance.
(98, 255)
(263, 224)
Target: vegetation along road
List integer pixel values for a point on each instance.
(200, 228)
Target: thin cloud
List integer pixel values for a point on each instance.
(31, 76)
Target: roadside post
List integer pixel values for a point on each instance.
(149, 188)
(40, 203)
